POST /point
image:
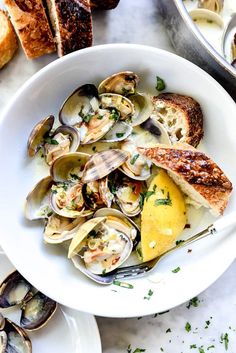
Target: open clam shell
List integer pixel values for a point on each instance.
(143, 108)
(69, 168)
(136, 167)
(15, 339)
(212, 5)
(37, 311)
(67, 201)
(123, 105)
(37, 135)
(124, 83)
(59, 229)
(97, 194)
(78, 105)
(64, 139)
(102, 243)
(2, 322)
(204, 14)
(119, 132)
(13, 290)
(103, 163)
(38, 200)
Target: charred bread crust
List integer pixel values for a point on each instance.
(104, 4)
(191, 110)
(8, 40)
(195, 168)
(31, 24)
(74, 25)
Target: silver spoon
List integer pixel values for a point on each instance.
(145, 267)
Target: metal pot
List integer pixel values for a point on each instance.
(190, 43)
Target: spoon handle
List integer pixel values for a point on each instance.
(225, 222)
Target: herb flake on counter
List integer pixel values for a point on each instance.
(210, 347)
(193, 346)
(136, 350)
(160, 84)
(176, 270)
(150, 293)
(188, 327)
(193, 302)
(224, 338)
(168, 330)
(134, 159)
(201, 350)
(123, 284)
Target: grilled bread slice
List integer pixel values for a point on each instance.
(72, 24)
(31, 25)
(181, 116)
(8, 41)
(104, 4)
(198, 176)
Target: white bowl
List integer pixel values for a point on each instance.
(45, 266)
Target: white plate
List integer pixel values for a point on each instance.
(67, 331)
(46, 266)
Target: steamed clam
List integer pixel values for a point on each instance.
(54, 144)
(97, 194)
(36, 308)
(124, 83)
(122, 106)
(59, 229)
(38, 200)
(142, 108)
(136, 166)
(13, 339)
(102, 243)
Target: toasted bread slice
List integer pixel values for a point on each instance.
(181, 116)
(31, 25)
(8, 41)
(104, 4)
(72, 24)
(198, 176)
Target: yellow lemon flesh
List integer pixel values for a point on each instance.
(163, 217)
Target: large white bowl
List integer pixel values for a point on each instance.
(45, 266)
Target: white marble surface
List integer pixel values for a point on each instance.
(137, 21)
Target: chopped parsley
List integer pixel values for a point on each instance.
(165, 201)
(150, 293)
(100, 117)
(134, 159)
(207, 323)
(179, 242)
(160, 86)
(120, 134)
(141, 199)
(112, 187)
(188, 327)
(193, 302)
(224, 338)
(114, 114)
(168, 330)
(51, 141)
(87, 118)
(136, 350)
(201, 350)
(74, 176)
(150, 193)
(193, 346)
(123, 284)
(177, 269)
(210, 347)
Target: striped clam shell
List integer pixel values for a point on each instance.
(103, 163)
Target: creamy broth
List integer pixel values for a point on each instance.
(211, 31)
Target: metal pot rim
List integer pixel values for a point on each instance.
(198, 35)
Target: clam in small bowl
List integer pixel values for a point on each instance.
(45, 265)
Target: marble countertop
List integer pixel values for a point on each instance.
(208, 323)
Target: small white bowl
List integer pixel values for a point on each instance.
(45, 266)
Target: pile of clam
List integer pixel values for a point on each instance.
(36, 310)
(89, 198)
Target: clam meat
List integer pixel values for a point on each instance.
(136, 166)
(102, 243)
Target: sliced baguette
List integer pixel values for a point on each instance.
(72, 24)
(198, 176)
(181, 116)
(8, 41)
(31, 25)
(104, 4)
